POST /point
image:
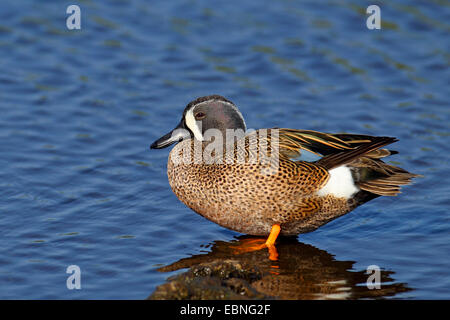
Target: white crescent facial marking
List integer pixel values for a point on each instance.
(340, 184)
(192, 124)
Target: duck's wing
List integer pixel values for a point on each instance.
(308, 145)
(362, 153)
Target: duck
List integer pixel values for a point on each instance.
(274, 181)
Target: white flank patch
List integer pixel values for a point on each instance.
(192, 124)
(340, 184)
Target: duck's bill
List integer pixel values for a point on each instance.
(172, 137)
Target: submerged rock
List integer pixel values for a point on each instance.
(218, 279)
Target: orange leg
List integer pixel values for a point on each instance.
(249, 245)
(258, 244)
(270, 242)
(273, 235)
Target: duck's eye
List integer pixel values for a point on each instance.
(199, 115)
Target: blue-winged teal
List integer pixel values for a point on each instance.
(309, 179)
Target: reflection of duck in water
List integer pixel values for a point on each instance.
(272, 181)
(301, 272)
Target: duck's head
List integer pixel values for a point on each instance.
(200, 115)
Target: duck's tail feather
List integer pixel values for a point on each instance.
(375, 176)
(369, 172)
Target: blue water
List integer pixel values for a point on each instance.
(79, 109)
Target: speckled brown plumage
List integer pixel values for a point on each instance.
(240, 197)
